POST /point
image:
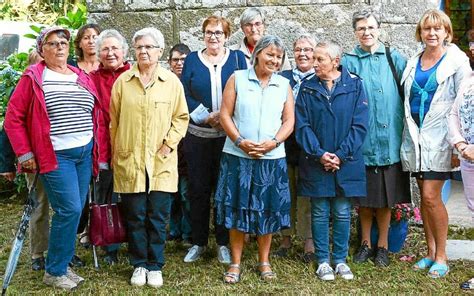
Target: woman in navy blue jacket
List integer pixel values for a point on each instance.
(331, 124)
(204, 76)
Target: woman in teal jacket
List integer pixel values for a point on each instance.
(387, 184)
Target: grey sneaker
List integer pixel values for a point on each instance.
(344, 271)
(74, 276)
(325, 272)
(62, 282)
(194, 253)
(223, 254)
(139, 277)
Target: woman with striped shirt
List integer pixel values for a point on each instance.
(51, 120)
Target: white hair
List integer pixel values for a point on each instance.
(154, 33)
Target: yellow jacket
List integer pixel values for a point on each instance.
(141, 121)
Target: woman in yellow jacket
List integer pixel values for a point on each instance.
(149, 116)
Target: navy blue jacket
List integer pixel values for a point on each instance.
(335, 124)
(7, 156)
(291, 147)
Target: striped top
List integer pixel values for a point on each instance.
(69, 109)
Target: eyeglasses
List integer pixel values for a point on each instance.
(112, 49)
(251, 25)
(304, 49)
(471, 44)
(57, 44)
(218, 34)
(146, 47)
(176, 60)
(363, 29)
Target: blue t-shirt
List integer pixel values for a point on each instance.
(421, 78)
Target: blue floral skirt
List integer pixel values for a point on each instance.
(253, 195)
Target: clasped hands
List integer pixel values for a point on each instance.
(330, 161)
(257, 150)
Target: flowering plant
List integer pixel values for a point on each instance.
(405, 211)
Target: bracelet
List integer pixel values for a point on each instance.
(238, 141)
(276, 141)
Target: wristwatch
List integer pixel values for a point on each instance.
(276, 141)
(238, 141)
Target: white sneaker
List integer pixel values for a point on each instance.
(62, 282)
(139, 277)
(194, 253)
(223, 254)
(154, 278)
(325, 272)
(74, 276)
(344, 271)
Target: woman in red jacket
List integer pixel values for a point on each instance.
(112, 48)
(51, 120)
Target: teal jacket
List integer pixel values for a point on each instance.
(382, 144)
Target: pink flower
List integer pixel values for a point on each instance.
(417, 213)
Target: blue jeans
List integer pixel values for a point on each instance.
(339, 209)
(66, 188)
(180, 220)
(146, 216)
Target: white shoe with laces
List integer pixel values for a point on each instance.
(154, 278)
(139, 277)
(325, 272)
(344, 271)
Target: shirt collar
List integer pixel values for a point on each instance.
(159, 73)
(273, 79)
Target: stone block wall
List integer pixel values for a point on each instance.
(181, 20)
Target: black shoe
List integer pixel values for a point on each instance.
(309, 257)
(37, 264)
(363, 254)
(76, 262)
(381, 257)
(111, 258)
(281, 252)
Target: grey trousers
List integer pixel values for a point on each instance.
(39, 223)
(300, 209)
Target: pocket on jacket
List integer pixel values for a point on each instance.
(125, 167)
(163, 165)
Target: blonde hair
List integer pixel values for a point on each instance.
(34, 57)
(435, 17)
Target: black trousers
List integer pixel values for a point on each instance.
(203, 157)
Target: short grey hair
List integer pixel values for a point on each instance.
(334, 50)
(154, 33)
(307, 37)
(250, 14)
(363, 15)
(111, 33)
(265, 42)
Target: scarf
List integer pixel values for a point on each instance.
(430, 87)
(299, 78)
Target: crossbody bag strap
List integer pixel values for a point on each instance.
(394, 71)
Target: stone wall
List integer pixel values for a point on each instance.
(180, 20)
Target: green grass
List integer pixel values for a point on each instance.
(205, 276)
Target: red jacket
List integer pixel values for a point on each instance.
(104, 80)
(27, 123)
